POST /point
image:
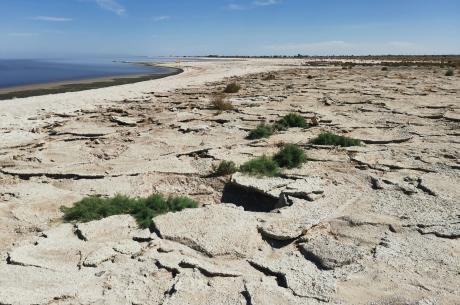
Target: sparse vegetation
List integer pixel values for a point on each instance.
(384, 68)
(270, 77)
(142, 209)
(261, 131)
(225, 168)
(232, 88)
(292, 120)
(328, 138)
(290, 156)
(265, 130)
(450, 72)
(218, 102)
(261, 166)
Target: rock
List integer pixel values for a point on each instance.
(329, 253)
(214, 230)
(124, 121)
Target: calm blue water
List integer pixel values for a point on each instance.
(16, 72)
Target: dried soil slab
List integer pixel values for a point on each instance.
(298, 274)
(329, 253)
(124, 121)
(114, 228)
(193, 288)
(57, 250)
(441, 185)
(452, 116)
(380, 136)
(276, 186)
(31, 285)
(213, 230)
(15, 138)
(84, 129)
(266, 291)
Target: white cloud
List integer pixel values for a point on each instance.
(161, 18)
(235, 7)
(21, 34)
(111, 5)
(266, 2)
(52, 19)
(253, 5)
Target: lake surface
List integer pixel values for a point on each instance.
(18, 72)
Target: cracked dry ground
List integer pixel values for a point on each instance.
(375, 224)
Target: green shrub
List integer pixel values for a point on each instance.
(265, 130)
(291, 120)
(142, 209)
(225, 168)
(261, 131)
(232, 88)
(290, 156)
(328, 138)
(262, 166)
(450, 72)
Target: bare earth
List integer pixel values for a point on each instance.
(375, 224)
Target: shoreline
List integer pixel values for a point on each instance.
(40, 89)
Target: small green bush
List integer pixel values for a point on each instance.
(225, 168)
(450, 72)
(262, 166)
(232, 88)
(290, 156)
(292, 120)
(328, 138)
(261, 131)
(142, 209)
(265, 130)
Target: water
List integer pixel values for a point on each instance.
(17, 72)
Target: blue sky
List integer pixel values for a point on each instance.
(41, 28)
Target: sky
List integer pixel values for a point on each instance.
(50, 28)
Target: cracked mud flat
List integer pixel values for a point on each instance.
(376, 224)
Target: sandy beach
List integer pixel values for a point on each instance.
(370, 224)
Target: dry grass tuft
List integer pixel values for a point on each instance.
(219, 102)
